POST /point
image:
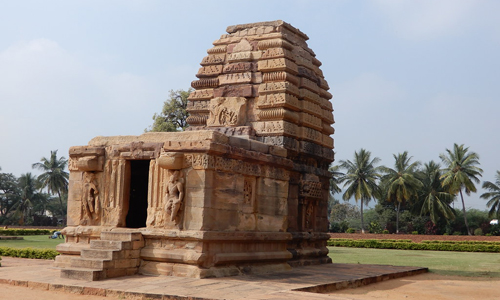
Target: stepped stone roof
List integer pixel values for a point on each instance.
(263, 82)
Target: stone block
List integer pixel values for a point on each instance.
(83, 274)
(126, 263)
(259, 146)
(194, 218)
(271, 223)
(87, 263)
(277, 64)
(121, 236)
(107, 245)
(99, 254)
(239, 142)
(112, 273)
(245, 90)
(240, 67)
(278, 151)
(156, 268)
(183, 270)
(209, 71)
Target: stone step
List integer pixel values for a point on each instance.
(109, 245)
(63, 261)
(90, 263)
(83, 274)
(100, 254)
(116, 245)
(121, 236)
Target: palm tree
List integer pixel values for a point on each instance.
(493, 195)
(401, 182)
(27, 197)
(54, 178)
(335, 179)
(436, 201)
(459, 173)
(361, 179)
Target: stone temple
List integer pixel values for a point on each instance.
(243, 191)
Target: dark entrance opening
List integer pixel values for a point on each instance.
(138, 199)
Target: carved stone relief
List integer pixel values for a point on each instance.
(174, 196)
(227, 111)
(91, 205)
(311, 189)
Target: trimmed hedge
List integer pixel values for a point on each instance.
(29, 253)
(379, 240)
(16, 232)
(379, 244)
(463, 242)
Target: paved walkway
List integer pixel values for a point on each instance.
(299, 283)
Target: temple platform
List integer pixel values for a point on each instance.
(309, 282)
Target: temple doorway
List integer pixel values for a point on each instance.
(138, 199)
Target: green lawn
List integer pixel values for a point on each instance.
(33, 241)
(472, 264)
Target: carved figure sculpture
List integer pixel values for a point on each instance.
(174, 196)
(90, 201)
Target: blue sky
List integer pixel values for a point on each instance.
(405, 75)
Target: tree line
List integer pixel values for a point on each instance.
(419, 191)
(36, 200)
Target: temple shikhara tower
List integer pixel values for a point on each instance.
(243, 190)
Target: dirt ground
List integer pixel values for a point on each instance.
(10, 292)
(427, 286)
(417, 238)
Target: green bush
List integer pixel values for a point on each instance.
(17, 232)
(29, 253)
(350, 230)
(339, 226)
(478, 231)
(463, 242)
(457, 233)
(414, 232)
(374, 227)
(438, 246)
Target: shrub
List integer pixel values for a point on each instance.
(478, 231)
(350, 230)
(457, 233)
(374, 227)
(434, 246)
(385, 231)
(29, 253)
(414, 232)
(17, 232)
(339, 226)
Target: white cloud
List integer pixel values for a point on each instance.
(50, 100)
(427, 19)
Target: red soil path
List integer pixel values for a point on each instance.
(414, 237)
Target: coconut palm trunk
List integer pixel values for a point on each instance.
(61, 203)
(397, 217)
(465, 213)
(362, 219)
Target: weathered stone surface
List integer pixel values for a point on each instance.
(227, 111)
(243, 189)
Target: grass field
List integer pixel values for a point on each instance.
(471, 264)
(33, 241)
